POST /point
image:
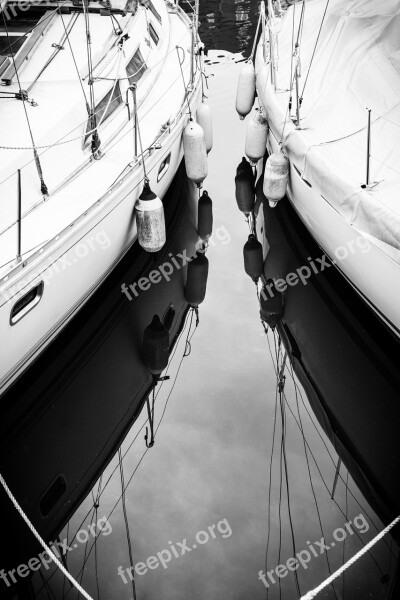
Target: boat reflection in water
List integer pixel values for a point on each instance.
(65, 420)
(322, 335)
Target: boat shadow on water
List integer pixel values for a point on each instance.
(324, 336)
(64, 420)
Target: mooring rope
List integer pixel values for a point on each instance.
(312, 593)
(41, 540)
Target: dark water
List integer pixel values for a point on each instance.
(240, 477)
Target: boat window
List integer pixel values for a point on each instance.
(153, 34)
(26, 303)
(106, 106)
(15, 41)
(136, 67)
(148, 4)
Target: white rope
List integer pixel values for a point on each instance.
(41, 540)
(311, 594)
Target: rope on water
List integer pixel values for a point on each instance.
(41, 540)
(312, 593)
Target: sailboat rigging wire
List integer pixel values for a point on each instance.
(43, 187)
(73, 58)
(311, 482)
(41, 540)
(57, 49)
(188, 338)
(287, 487)
(297, 389)
(129, 447)
(96, 505)
(250, 59)
(324, 482)
(42, 20)
(183, 78)
(344, 541)
(313, 593)
(314, 459)
(291, 58)
(315, 48)
(283, 460)
(92, 114)
(128, 535)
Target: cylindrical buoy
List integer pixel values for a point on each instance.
(196, 282)
(155, 346)
(256, 137)
(253, 258)
(204, 216)
(194, 148)
(244, 184)
(204, 119)
(246, 89)
(276, 177)
(150, 220)
(271, 304)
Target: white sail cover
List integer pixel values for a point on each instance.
(356, 67)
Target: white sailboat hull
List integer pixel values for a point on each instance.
(74, 239)
(356, 225)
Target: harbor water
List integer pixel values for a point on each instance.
(242, 476)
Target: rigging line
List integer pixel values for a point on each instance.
(250, 59)
(84, 556)
(74, 60)
(291, 374)
(92, 115)
(96, 571)
(42, 20)
(287, 116)
(311, 483)
(326, 485)
(315, 48)
(46, 586)
(128, 535)
(280, 478)
(141, 428)
(186, 99)
(282, 404)
(270, 484)
(43, 187)
(188, 339)
(66, 562)
(344, 541)
(313, 593)
(292, 56)
(41, 540)
(59, 47)
(143, 455)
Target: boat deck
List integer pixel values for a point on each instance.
(83, 181)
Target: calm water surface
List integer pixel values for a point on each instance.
(211, 464)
